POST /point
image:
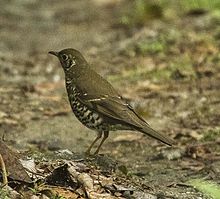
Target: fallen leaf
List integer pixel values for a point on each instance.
(13, 165)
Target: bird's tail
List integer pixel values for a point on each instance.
(152, 133)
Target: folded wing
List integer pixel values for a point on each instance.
(116, 108)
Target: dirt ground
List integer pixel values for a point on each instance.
(167, 67)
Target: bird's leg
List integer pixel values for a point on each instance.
(106, 133)
(99, 135)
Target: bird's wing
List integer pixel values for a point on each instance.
(115, 107)
(102, 97)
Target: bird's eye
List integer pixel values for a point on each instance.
(64, 57)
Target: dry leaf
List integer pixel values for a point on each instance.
(13, 165)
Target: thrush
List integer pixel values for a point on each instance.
(96, 104)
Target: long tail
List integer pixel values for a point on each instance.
(152, 133)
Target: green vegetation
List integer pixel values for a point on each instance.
(4, 194)
(144, 11)
(207, 187)
(151, 46)
(212, 134)
(200, 4)
(177, 68)
(180, 54)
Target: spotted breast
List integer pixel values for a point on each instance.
(86, 116)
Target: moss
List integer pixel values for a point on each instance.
(151, 47)
(142, 12)
(200, 4)
(207, 187)
(183, 65)
(4, 194)
(211, 135)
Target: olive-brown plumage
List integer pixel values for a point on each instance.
(96, 103)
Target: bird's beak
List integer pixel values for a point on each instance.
(54, 53)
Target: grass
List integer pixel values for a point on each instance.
(144, 11)
(4, 194)
(151, 46)
(212, 134)
(199, 4)
(137, 73)
(207, 187)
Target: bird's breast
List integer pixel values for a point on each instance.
(88, 117)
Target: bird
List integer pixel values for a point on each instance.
(96, 104)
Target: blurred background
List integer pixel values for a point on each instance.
(161, 55)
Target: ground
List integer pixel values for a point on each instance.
(164, 62)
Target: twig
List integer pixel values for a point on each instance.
(4, 172)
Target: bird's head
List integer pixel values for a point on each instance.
(70, 59)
